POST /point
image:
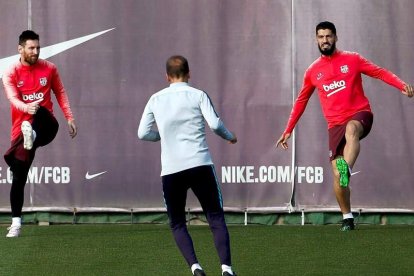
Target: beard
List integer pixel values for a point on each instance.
(329, 51)
(31, 59)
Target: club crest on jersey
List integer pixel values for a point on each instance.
(344, 69)
(43, 81)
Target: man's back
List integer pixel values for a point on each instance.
(180, 112)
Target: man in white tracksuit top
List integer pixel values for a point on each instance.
(180, 112)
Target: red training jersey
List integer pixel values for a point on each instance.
(339, 83)
(25, 84)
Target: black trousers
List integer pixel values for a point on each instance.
(203, 182)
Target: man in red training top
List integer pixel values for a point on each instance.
(28, 85)
(337, 76)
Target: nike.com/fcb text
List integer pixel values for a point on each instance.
(271, 174)
(40, 175)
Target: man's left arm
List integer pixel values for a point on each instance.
(63, 101)
(371, 69)
(145, 131)
(213, 119)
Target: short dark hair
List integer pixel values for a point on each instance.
(27, 35)
(177, 66)
(326, 25)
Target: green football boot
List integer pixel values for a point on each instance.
(343, 169)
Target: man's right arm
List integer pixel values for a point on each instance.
(145, 131)
(297, 110)
(300, 104)
(12, 94)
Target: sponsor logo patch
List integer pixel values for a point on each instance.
(33, 97)
(334, 87)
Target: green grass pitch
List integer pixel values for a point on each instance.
(113, 249)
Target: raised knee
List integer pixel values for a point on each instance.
(353, 129)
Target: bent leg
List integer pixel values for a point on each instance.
(354, 130)
(175, 195)
(341, 168)
(344, 146)
(208, 192)
(46, 127)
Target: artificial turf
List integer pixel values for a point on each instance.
(113, 249)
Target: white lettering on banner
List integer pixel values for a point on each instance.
(271, 174)
(40, 175)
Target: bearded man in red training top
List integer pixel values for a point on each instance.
(337, 76)
(29, 84)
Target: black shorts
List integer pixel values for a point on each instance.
(337, 133)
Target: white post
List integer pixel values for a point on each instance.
(303, 216)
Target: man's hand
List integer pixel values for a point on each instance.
(72, 128)
(33, 107)
(234, 140)
(283, 141)
(408, 90)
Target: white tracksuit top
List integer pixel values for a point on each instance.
(180, 112)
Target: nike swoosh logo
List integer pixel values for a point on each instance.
(90, 176)
(52, 50)
(355, 173)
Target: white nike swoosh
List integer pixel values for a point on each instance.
(355, 173)
(90, 176)
(52, 50)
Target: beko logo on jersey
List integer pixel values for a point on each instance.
(34, 96)
(334, 87)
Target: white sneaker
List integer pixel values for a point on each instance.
(27, 131)
(14, 231)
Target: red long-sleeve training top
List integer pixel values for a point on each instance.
(25, 84)
(339, 83)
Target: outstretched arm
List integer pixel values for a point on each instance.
(371, 69)
(297, 110)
